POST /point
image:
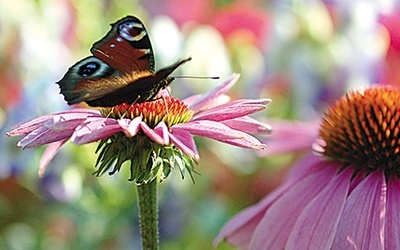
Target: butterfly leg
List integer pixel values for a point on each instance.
(133, 103)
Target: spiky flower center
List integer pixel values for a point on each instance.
(170, 110)
(363, 127)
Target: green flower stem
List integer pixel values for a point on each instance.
(148, 212)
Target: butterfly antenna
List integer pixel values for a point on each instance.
(198, 77)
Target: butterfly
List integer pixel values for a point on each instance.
(121, 69)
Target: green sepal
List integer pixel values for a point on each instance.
(148, 160)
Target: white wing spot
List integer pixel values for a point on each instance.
(125, 28)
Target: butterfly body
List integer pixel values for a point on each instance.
(122, 69)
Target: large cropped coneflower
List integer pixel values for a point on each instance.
(347, 196)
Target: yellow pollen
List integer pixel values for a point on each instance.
(169, 110)
(363, 127)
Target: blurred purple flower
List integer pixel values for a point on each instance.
(347, 199)
(166, 121)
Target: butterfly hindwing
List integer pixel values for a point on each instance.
(83, 73)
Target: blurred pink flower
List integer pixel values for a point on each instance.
(347, 199)
(197, 115)
(391, 22)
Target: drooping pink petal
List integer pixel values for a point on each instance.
(362, 223)
(248, 125)
(95, 129)
(232, 110)
(275, 227)
(184, 141)
(149, 132)
(49, 154)
(42, 136)
(317, 224)
(392, 218)
(162, 130)
(209, 129)
(130, 127)
(209, 97)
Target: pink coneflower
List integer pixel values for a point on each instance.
(348, 197)
(155, 136)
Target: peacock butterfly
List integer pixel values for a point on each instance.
(122, 69)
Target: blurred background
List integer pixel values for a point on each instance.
(301, 54)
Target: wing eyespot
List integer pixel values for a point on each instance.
(88, 69)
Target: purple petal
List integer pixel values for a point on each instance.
(130, 127)
(274, 229)
(184, 141)
(95, 129)
(49, 154)
(317, 224)
(232, 110)
(392, 218)
(362, 222)
(248, 125)
(31, 125)
(42, 136)
(149, 132)
(209, 129)
(209, 97)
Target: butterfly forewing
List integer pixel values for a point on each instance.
(126, 47)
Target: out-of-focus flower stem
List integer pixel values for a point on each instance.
(148, 209)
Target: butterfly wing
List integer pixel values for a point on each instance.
(126, 47)
(124, 51)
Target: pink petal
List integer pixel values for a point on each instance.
(95, 129)
(149, 132)
(31, 125)
(246, 141)
(239, 230)
(362, 222)
(248, 125)
(210, 129)
(274, 229)
(290, 136)
(42, 136)
(392, 218)
(130, 127)
(184, 141)
(232, 110)
(58, 123)
(162, 130)
(317, 224)
(49, 154)
(209, 97)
